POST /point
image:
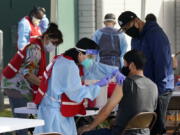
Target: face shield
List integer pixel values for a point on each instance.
(88, 51)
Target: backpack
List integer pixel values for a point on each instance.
(109, 44)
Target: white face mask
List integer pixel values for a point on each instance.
(49, 47)
(35, 20)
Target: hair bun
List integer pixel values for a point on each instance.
(53, 25)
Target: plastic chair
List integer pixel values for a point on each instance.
(141, 121)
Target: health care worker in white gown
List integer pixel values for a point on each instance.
(65, 78)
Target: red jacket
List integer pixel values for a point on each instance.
(68, 107)
(15, 63)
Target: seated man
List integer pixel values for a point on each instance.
(138, 94)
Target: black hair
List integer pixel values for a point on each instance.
(54, 33)
(150, 17)
(35, 11)
(73, 53)
(43, 9)
(137, 57)
(86, 43)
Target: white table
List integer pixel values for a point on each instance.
(176, 93)
(11, 124)
(25, 110)
(89, 113)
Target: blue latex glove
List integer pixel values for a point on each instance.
(104, 81)
(120, 78)
(114, 72)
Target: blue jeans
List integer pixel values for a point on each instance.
(19, 102)
(159, 126)
(102, 131)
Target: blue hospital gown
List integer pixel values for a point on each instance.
(98, 71)
(24, 30)
(44, 24)
(64, 79)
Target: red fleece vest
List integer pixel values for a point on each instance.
(35, 31)
(15, 63)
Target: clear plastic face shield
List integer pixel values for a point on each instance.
(90, 53)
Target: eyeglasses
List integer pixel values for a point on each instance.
(54, 41)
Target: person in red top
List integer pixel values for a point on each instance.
(28, 27)
(21, 77)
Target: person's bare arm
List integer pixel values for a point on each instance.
(32, 79)
(105, 111)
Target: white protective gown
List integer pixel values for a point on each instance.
(65, 78)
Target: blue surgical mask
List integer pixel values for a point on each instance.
(87, 63)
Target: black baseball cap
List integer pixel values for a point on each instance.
(126, 17)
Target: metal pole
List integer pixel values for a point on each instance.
(1, 67)
(143, 9)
